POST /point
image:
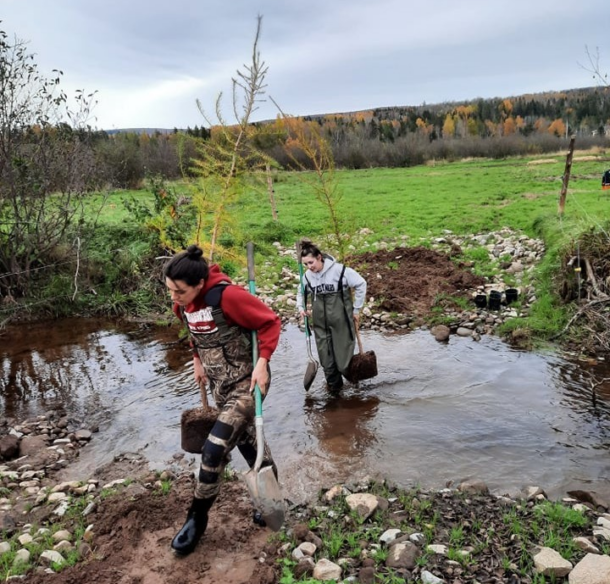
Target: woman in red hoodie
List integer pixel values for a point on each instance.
(220, 317)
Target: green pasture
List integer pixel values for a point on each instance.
(464, 197)
(469, 196)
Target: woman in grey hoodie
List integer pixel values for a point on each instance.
(328, 284)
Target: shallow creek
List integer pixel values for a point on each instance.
(437, 413)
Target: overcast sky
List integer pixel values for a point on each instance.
(150, 60)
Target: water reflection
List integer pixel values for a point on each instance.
(436, 413)
(344, 426)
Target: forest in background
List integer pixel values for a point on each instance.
(383, 137)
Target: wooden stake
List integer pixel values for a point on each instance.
(566, 177)
(271, 192)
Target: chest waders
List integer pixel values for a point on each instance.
(226, 356)
(333, 328)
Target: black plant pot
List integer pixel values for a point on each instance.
(511, 295)
(495, 300)
(480, 300)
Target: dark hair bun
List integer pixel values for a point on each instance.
(194, 252)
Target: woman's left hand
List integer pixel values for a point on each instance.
(260, 375)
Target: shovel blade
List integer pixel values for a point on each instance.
(310, 374)
(266, 496)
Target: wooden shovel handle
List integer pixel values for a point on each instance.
(204, 395)
(357, 327)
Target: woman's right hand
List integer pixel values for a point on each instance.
(199, 372)
(304, 313)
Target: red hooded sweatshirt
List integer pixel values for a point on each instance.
(239, 307)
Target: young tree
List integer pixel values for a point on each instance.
(229, 160)
(46, 165)
(308, 149)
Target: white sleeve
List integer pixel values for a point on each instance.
(300, 298)
(358, 283)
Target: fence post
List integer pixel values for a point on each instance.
(566, 177)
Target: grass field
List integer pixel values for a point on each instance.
(465, 197)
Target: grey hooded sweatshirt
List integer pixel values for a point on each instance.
(333, 311)
(326, 282)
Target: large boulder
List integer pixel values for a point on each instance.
(9, 447)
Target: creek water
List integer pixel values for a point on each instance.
(436, 413)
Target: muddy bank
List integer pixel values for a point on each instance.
(116, 527)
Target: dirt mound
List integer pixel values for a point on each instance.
(410, 279)
(133, 534)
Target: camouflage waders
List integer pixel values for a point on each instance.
(226, 356)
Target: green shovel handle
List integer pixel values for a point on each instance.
(258, 399)
(299, 261)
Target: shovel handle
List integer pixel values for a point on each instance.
(204, 395)
(357, 327)
(258, 399)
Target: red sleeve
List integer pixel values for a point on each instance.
(247, 311)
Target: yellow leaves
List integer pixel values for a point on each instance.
(557, 127)
(509, 127)
(448, 126)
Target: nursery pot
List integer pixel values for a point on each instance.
(495, 299)
(511, 295)
(480, 300)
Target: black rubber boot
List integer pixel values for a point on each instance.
(257, 518)
(196, 522)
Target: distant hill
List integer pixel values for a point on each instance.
(586, 108)
(149, 131)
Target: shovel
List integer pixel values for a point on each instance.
(363, 365)
(261, 482)
(312, 366)
(196, 424)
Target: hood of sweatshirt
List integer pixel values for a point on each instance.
(215, 276)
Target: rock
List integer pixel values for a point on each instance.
(582, 543)
(589, 497)
(592, 569)
(308, 548)
(326, 570)
(439, 549)
(52, 557)
(9, 446)
(429, 578)
(58, 496)
(25, 539)
(22, 556)
(463, 332)
(532, 492)
(473, 487)
(62, 535)
(334, 492)
(31, 445)
(402, 556)
(389, 535)
(548, 562)
(364, 504)
(83, 435)
(441, 332)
